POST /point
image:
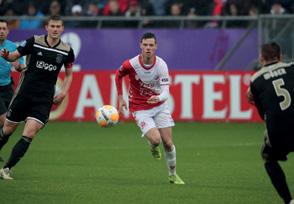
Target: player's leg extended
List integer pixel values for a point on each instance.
(276, 173)
(170, 155)
(5, 132)
(154, 140)
(31, 128)
(146, 123)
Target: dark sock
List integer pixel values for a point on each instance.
(3, 138)
(18, 151)
(278, 179)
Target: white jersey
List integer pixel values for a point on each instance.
(144, 81)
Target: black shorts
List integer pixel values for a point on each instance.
(6, 94)
(270, 153)
(279, 138)
(28, 106)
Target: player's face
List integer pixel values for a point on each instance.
(148, 47)
(54, 29)
(3, 31)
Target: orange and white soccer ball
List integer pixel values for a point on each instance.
(107, 116)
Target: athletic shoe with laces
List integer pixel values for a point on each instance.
(156, 153)
(5, 174)
(175, 179)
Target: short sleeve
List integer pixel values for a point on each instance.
(164, 75)
(26, 47)
(70, 59)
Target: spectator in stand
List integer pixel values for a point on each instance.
(4, 5)
(159, 6)
(55, 8)
(198, 8)
(113, 10)
(13, 23)
(147, 10)
(31, 23)
(133, 10)
(277, 9)
(92, 11)
(19, 6)
(216, 11)
(253, 11)
(76, 11)
(121, 4)
(175, 10)
(202, 7)
(192, 23)
(232, 9)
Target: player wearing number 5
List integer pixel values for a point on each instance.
(272, 92)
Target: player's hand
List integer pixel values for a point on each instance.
(59, 98)
(153, 100)
(122, 105)
(4, 53)
(18, 67)
(250, 97)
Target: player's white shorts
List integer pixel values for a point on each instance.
(157, 117)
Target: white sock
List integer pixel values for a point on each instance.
(170, 158)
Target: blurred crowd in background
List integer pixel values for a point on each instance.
(138, 8)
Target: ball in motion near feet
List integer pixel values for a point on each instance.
(107, 116)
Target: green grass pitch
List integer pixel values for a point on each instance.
(83, 163)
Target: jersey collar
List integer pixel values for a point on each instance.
(48, 43)
(142, 64)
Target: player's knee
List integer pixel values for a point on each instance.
(168, 145)
(155, 140)
(265, 156)
(7, 130)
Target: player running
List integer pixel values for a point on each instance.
(148, 94)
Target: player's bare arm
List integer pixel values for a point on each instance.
(122, 105)
(11, 57)
(65, 86)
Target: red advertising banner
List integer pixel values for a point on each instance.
(194, 96)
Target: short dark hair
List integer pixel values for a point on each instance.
(3, 21)
(271, 51)
(148, 36)
(54, 18)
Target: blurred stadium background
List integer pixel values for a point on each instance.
(211, 47)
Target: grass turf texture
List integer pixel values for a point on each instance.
(83, 163)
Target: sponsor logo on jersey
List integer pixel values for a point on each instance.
(39, 54)
(164, 79)
(45, 66)
(59, 58)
